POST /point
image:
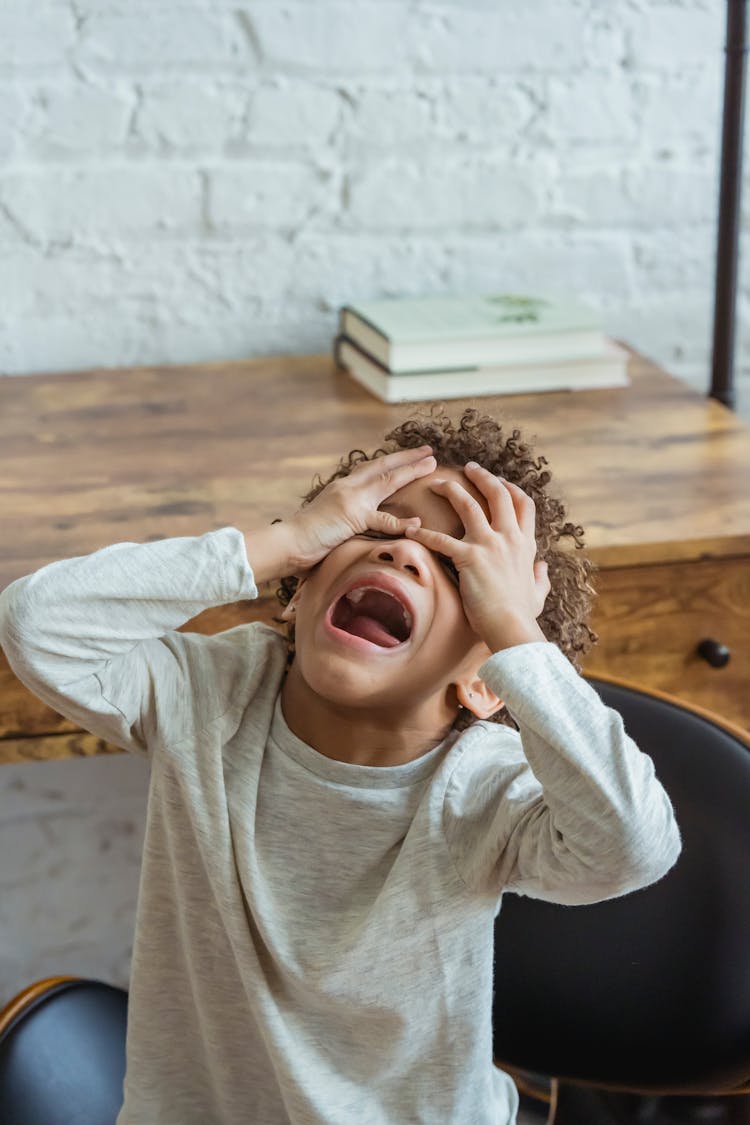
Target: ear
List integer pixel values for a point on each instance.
(475, 696)
(289, 612)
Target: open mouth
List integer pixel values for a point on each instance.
(374, 615)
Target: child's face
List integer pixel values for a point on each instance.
(350, 669)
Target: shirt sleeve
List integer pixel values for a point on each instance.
(95, 637)
(568, 809)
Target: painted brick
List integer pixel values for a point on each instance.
(596, 267)
(33, 284)
(193, 281)
(476, 110)
(149, 39)
(107, 202)
(668, 324)
(671, 108)
(34, 37)
(293, 113)
(332, 269)
(667, 261)
(390, 116)
(184, 115)
(592, 107)
(470, 192)
(78, 118)
(636, 196)
(671, 37)
(338, 38)
(265, 195)
(16, 113)
(514, 37)
(61, 342)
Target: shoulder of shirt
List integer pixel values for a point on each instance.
(256, 645)
(255, 633)
(484, 750)
(486, 761)
(249, 660)
(247, 645)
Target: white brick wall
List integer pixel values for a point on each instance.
(198, 179)
(203, 179)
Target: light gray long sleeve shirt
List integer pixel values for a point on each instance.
(314, 938)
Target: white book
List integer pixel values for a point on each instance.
(414, 334)
(608, 369)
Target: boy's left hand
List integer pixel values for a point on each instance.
(503, 585)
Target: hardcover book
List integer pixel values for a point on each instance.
(607, 369)
(427, 333)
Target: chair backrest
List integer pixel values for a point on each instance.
(649, 991)
(62, 1056)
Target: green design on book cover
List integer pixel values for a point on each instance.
(493, 315)
(517, 310)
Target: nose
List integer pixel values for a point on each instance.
(405, 554)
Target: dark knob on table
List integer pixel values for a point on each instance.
(716, 654)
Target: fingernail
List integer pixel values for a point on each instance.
(472, 465)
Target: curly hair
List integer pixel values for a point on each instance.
(479, 437)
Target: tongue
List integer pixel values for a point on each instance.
(371, 630)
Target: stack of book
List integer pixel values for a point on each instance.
(455, 347)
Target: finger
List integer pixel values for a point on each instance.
(387, 476)
(436, 540)
(470, 511)
(503, 514)
(525, 508)
(404, 456)
(392, 461)
(390, 524)
(500, 490)
(389, 481)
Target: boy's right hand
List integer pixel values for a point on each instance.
(349, 505)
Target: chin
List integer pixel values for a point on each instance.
(342, 681)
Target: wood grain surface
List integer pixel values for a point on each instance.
(656, 473)
(651, 620)
(653, 471)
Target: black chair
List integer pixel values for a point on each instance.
(62, 1053)
(638, 1009)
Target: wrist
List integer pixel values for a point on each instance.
(270, 551)
(509, 632)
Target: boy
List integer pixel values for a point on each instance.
(331, 826)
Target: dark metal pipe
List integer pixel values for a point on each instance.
(727, 249)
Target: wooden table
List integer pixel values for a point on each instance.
(658, 475)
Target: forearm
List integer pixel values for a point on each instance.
(606, 823)
(71, 617)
